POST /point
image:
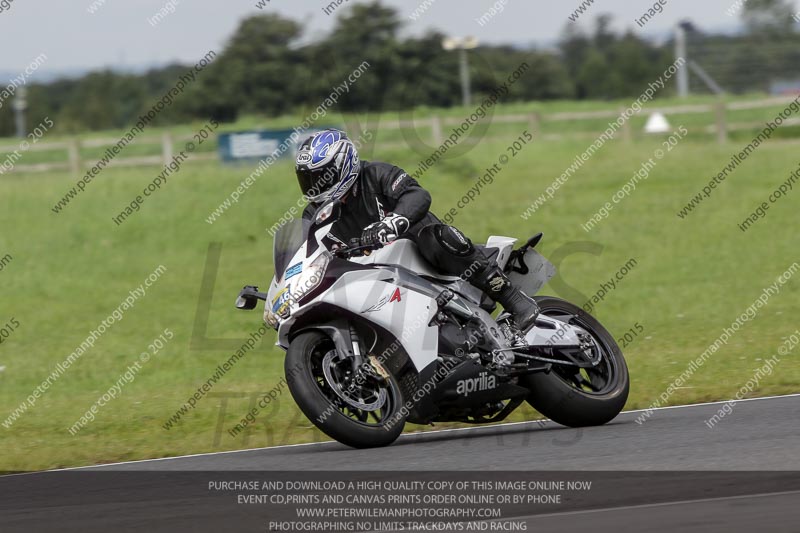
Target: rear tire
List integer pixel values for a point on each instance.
(556, 394)
(318, 401)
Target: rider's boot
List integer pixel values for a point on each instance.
(499, 288)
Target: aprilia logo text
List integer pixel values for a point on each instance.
(481, 383)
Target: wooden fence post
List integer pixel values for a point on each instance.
(535, 123)
(720, 109)
(166, 147)
(627, 134)
(74, 154)
(436, 129)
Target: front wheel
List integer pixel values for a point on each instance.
(344, 402)
(578, 397)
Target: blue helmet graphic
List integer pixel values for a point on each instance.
(321, 144)
(327, 165)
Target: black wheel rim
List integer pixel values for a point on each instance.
(368, 392)
(595, 381)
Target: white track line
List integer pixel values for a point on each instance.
(404, 436)
(648, 505)
(531, 517)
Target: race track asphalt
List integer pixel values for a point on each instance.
(757, 435)
(670, 473)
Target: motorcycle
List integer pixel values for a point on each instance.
(375, 337)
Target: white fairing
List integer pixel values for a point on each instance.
(402, 311)
(405, 313)
(504, 245)
(373, 294)
(405, 253)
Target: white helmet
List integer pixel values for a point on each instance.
(327, 165)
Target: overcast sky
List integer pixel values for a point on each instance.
(118, 33)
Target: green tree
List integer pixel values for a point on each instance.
(102, 100)
(256, 72)
(573, 47)
(769, 17)
(635, 62)
(363, 33)
(426, 75)
(597, 79)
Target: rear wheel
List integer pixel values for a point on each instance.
(346, 403)
(579, 397)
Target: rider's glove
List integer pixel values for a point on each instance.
(385, 231)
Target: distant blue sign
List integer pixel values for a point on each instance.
(243, 146)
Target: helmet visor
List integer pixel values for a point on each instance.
(314, 183)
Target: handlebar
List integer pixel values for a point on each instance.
(355, 249)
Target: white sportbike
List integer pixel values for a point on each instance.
(378, 338)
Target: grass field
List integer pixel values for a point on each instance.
(697, 122)
(69, 271)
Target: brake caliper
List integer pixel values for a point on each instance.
(376, 371)
(590, 348)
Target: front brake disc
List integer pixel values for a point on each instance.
(353, 393)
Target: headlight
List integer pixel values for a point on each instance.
(270, 318)
(311, 276)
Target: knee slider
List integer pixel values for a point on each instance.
(452, 240)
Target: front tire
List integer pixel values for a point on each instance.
(314, 373)
(589, 397)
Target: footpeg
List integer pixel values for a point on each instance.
(503, 358)
(512, 334)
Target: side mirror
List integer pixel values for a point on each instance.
(248, 298)
(245, 303)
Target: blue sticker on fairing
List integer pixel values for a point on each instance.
(293, 271)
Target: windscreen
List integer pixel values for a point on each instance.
(288, 240)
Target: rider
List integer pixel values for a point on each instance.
(381, 202)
